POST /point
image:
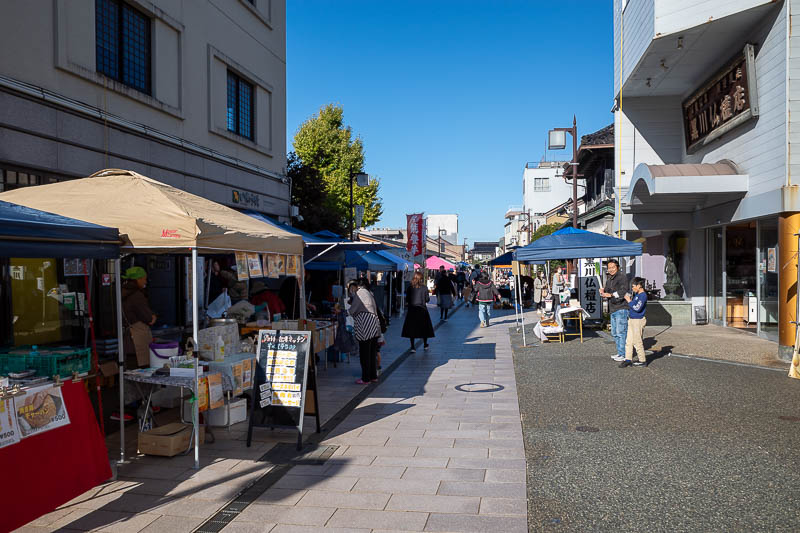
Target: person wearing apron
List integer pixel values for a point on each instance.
(137, 317)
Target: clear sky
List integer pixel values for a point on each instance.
(452, 98)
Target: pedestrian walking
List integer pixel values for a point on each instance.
(637, 304)
(539, 291)
(485, 294)
(445, 292)
(467, 294)
(615, 289)
(418, 323)
(461, 281)
(367, 329)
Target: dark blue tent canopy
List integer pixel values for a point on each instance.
(27, 232)
(504, 259)
(571, 243)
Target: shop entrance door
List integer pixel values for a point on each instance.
(740, 283)
(768, 278)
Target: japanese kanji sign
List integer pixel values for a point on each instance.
(589, 288)
(416, 234)
(726, 100)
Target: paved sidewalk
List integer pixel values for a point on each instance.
(418, 454)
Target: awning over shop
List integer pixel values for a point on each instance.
(683, 188)
(27, 232)
(571, 243)
(155, 217)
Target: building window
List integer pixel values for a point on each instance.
(240, 106)
(541, 184)
(123, 44)
(11, 178)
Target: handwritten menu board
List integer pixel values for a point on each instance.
(279, 384)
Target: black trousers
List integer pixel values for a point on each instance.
(368, 355)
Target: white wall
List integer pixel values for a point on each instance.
(793, 177)
(448, 223)
(672, 16)
(638, 31)
(543, 201)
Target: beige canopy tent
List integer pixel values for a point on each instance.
(153, 217)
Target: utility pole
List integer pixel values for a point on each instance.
(574, 172)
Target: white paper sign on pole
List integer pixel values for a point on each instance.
(9, 429)
(41, 409)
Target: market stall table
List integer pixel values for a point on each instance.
(558, 330)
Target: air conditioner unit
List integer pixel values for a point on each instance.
(294, 211)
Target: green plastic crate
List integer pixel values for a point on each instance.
(61, 362)
(16, 361)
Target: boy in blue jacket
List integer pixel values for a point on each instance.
(636, 322)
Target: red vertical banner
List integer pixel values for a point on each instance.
(416, 234)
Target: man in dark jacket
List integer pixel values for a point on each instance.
(461, 280)
(616, 288)
(485, 294)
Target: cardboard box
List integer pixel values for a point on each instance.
(219, 416)
(168, 440)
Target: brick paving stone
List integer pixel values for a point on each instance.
(504, 506)
(433, 504)
(453, 452)
(469, 522)
(489, 443)
(428, 462)
(340, 483)
(173, 524)
(281, 514)
(507, 453)
(445, 474)
(249, 527)
(286, 528)
(374, 451)
(492, 462)
(397, 486)
(389, 472)
(281, 496)
(493, 490)
(409, 521)
(505, 475)
(344, 500)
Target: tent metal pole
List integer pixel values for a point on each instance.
(323, 252)
(521, 312)
(121, 357)
(195, 335)
(516, 303)
(302, 287)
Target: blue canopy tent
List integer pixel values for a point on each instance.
(503, 260)
(401, 264)
(368, 261)
(27, 232)
(571, 243)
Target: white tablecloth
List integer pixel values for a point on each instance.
(542, 331)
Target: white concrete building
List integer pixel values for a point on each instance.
(543, 188)
(445, 226)
(704, 164)
(516, 230)
(188, 92)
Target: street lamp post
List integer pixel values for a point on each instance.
(557, 141)
(362, 180)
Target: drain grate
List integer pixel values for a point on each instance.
(587, 429)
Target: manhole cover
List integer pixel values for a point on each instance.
(479, 387)
(587, 429)
(790, 418)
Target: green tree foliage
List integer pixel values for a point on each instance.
(325, 157)
(545, 230)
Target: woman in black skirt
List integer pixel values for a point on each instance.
(418, 322)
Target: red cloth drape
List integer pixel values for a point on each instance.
(47, 470)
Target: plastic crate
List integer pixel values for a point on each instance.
(16, 361)
(61, 362)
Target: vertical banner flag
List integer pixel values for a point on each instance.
(415, 234)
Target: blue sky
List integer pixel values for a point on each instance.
(452, 98)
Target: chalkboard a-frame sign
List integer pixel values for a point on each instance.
(284, 373)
